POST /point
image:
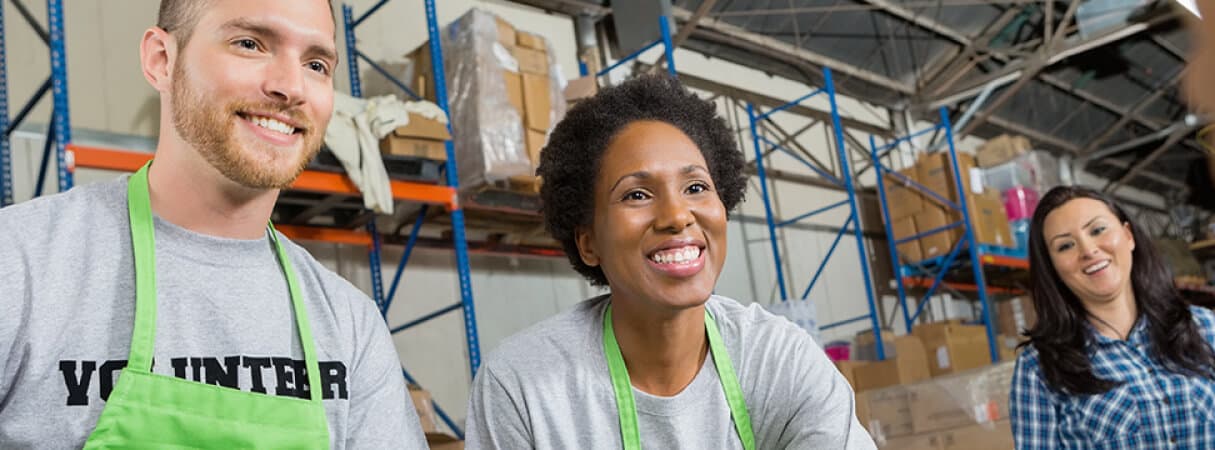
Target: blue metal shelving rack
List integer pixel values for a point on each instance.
(460, 243)
(664, 25)
(58, 78)
(844, 181)
(942, 266)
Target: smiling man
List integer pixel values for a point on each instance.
(160, 309)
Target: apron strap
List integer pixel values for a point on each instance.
(301, 318)
(143, 240)
(630, 431)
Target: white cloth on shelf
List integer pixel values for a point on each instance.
(354, 135)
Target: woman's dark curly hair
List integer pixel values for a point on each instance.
(569, 163)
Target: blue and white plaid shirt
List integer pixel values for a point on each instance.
(1153, 408)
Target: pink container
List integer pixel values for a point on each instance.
(839, 352)
(1019, 202)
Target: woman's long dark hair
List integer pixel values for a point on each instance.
(1060, 335)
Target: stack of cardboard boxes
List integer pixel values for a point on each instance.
(935, 390)
(911, 211)
(491, 67)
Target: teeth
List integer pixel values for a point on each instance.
(272, 125)
(1095, 267)
(679, 256)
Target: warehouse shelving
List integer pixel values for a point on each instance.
(845, 182)
(932, 274)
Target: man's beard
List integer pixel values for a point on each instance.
(209, 127)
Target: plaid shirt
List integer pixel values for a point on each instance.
(1153, 408)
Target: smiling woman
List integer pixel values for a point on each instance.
(1117, 359)
(638, 183)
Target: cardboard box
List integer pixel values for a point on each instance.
(988, 220)
(537, 102)
(907, 363)
(530, 40)
(1015, 315)
(1001, 149)
(904, 228)
(506, 32)
(936, 173)
(514, 90)
(531, 60)
(902, 200)
(934, 407)
(443, 441)
(581, 88)
(1008, 346)
(862, 408)
(992, 436)
(528, 184)
(930, 441)
(424, 404)
(422, 82)
(936, 244)
(422, 127)
(889, 412)
(848, 370)
(407, 146)
(953, 347)
(535, 141)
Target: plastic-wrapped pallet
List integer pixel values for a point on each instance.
(940, 405)
(490, 79)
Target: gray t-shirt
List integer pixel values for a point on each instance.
(549, 388)
(224, 317)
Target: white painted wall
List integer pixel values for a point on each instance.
(109, 95)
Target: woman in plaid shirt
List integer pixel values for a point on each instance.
(1117, 359)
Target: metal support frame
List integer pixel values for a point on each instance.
(59, 89)
(460, 243)
(664, 25)
(6, 151)
(967, 240)
(843, 180)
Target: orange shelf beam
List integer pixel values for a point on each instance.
(1004, 261)
(309, 180)
(321, 234)
(922, 282)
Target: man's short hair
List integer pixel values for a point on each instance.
(179, 17)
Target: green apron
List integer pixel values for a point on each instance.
(629, 431)
(147, 410)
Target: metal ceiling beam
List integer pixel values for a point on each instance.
(1046, 60)
(921, 21)
(685, 31)
(724, 33)
(1026, 77)
(1154, 176)
(704, 84)
(1169, 47)
(1132, 113)
(1135, 170)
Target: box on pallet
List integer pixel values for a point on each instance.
(1038, 170)
(936, 173)
(1015, 315)
(953, 347)
(1001, 149)
(956, 409)
(905, 228)
(902, 200)
(906, 362)
(424, 405)
(495, 82)
(939, 243)
(422, 137)
(988, 220)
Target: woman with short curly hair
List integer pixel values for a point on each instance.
(638, 181)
